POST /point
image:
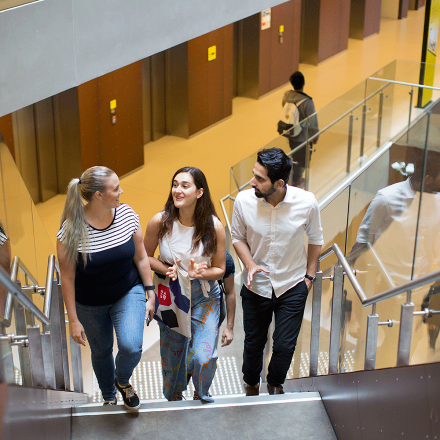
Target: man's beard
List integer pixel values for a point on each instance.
(260, 195)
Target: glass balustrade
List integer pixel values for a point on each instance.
(385, 224)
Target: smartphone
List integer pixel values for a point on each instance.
(148, 320)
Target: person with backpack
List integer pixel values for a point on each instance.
(301, 109)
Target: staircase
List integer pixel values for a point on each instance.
(300, 415)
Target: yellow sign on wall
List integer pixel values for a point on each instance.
(212, 53)
(112, 104)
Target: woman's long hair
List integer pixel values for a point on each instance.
(204, 230)
(75, 230)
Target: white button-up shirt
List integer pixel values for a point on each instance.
(275, 236)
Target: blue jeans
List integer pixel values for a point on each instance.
(126, 316)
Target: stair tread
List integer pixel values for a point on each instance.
(220, 401)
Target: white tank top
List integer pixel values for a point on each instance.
(180, 240)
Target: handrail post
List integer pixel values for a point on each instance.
(371, 342)
(307, 163)
(75, 352)
(350, 142)
(58, 335)
(36, 357)
(48, 360)
(411, 94)
(23, 352)
(316, 324)
(406, 325)
(380, 116)
(336, 320)
(363, 129)
(6, 361)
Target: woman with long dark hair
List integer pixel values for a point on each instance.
(105, 279)
(191, 241)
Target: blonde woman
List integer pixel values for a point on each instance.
(105, 278)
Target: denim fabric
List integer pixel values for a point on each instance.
(196, 356)
(127, 317)
(257, 316)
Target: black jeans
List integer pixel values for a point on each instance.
(257, 316)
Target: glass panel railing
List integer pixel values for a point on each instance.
(353, 127)
(369, 117)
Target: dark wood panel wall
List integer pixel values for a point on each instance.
(118, 146)
(266, 59)
(325, 26)
(198, 91)
(364, 18)
(7, 132)
(209, 82)
(67, 137)
(416, 4)
(403, 8)
(278, 60)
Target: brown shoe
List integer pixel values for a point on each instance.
(196, 396)
(275, 390)
(252, 390)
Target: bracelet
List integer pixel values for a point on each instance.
(152, 287)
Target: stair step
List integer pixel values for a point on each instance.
(220, 401)
(301, 416)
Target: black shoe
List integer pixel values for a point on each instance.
(114, 401)
(131, 399)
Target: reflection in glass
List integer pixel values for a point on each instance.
(392, 222)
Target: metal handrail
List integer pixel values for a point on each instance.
(17, 264)
(409, 285)
(316, 135)
(334, 248)
(403, 83)
(52, 269)
(390, 293)
(21, 297)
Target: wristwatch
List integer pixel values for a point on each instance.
(309, 277)
(149, 287)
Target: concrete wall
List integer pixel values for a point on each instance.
(49, 46)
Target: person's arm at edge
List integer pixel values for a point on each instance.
(142, 263)
(151, 242)
(313, 252)
(228, 333)
(67, 272)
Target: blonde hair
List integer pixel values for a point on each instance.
(75, 229)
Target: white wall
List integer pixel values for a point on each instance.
(52, 45)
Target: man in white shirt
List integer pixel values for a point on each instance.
(268, 226)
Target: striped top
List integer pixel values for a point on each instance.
(110, 272)
(3, 237)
